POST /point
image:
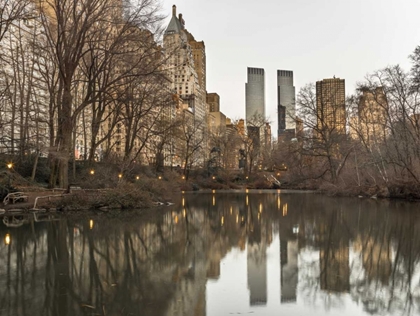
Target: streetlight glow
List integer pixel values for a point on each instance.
(9, 165)
(92, 172)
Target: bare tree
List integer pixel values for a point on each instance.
(227, 145)
(252, 142)
(12, 11)
(71, 28)
(191, 140)
(325, 140)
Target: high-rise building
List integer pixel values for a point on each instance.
(285, 101)
(199, 55)
(186, 69)
(330, 105)
(373, 110)
(186, 65)
(255, 94)
(213, 100)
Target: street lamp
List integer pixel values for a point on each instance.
(92, 172)
(137, 178)
(9, 166)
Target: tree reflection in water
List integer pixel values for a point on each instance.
(158, 263)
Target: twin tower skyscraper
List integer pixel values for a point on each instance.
(255, 99)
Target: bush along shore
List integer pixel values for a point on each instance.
(103, 188)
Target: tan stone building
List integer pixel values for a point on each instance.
(213, 100)
(218, 118)
(186, 64)
(373, 116)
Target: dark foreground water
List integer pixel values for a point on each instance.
(217, 254)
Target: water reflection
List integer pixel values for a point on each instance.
(217, 254)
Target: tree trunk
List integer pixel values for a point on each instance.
(66, 131)
(35, 165)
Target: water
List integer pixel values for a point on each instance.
(237, 253)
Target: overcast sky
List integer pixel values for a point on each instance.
(316, 39)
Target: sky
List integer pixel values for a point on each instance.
(317, 39)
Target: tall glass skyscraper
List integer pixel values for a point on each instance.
(255, 93)
(331, 105)
(285, 102)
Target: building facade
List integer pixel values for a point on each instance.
(213, 100)
(372, 120)
(285, 101)
(186, 64)
(330, 105)
(255, 93)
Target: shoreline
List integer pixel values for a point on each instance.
(90, 206)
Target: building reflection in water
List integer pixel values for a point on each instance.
(334, 253)
(288, 254)
(162, 262)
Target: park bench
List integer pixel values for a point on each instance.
(15, 197)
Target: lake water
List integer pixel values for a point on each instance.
(217, 253)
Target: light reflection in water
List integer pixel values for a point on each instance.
(7, 239)
(285, 209)
(320, 258)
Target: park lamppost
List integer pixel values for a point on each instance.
(9, 166)
(92, 172)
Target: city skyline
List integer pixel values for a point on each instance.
(349, 51)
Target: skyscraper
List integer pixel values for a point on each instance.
(330, 105)
(285, 101)
(373, 118)
(255, 93)
(186, 65)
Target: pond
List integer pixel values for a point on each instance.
(217, 253)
